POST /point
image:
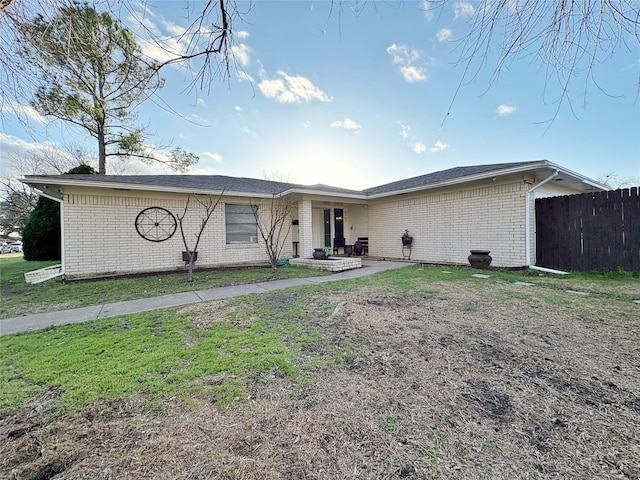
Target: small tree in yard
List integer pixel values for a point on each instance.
(274, 225)
(209, 205)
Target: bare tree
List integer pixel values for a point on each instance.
(205, 44)
(19, 199)
(273, 218)
(208, 206)
(569, 38)
(615, 181)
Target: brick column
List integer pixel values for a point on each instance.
(305, 230)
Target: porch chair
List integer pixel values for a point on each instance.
(337, 244)
(365, 245)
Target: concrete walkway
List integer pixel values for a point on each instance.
(96, 312)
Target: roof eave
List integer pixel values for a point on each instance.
(493, 173)
(38, 182)
(324, 193)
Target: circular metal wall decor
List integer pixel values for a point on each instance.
(156, 224)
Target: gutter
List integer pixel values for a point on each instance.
(527, 216)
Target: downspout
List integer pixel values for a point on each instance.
(527, 217)
(62, 255)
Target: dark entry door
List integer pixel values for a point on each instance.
(338, 222)
(327, 227)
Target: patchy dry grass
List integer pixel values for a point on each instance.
(20, 299)
(412, 376)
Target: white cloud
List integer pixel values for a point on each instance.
(21, 110)
(504, 110)
(244, 76)
(159, 39)
(425, 6)
(216, 157)
(444, 34)
(439, 146)
(13, 146)
(201, 103)
(402, 54)
(241, 53)
(413, 74)
(9, 142)
(292, 89)
(405, 131)
(198, 120)
(347, 124)
(463, 9)
(406, 58)
(242, 34)
(419, 147)
(173, 28)
(238, 108)
(162, 49)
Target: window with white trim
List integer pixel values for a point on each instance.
(240, 222)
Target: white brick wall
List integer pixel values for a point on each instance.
(447, 223)
(100, 234)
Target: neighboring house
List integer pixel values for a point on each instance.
(448, 213)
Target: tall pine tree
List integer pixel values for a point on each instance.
(93, 75)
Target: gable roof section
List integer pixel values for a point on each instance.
(452, 175)
(239, 186)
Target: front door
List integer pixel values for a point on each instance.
(327, 227)
(338, 222)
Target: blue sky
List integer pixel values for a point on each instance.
(361, 99)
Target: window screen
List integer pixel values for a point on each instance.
(241, 223)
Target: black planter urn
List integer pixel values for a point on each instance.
(480, 259)
(407, 240)
(357, 248)
(319, 254)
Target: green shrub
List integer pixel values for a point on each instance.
(41, 235)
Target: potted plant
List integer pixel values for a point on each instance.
(406, 238)
(321, 253)
(358, 248)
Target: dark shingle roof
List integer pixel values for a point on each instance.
(268, 187)
(442, 176)
(195, 182)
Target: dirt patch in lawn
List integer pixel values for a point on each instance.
(470, 380)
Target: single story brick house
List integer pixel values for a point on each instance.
(124, 224)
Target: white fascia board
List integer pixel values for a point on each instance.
(323, 193)
(139, 187)
(582, 178)
(454, 181)
(50, 197)
(483, 176)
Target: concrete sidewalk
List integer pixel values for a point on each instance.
(96, 312)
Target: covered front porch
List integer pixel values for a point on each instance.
(337, 225)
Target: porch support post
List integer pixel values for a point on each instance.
(305, 230)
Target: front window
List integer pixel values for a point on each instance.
(241, 223)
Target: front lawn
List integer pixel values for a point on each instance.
(423, 372)
(20, 298)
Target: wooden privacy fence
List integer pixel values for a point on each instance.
(590, 231)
